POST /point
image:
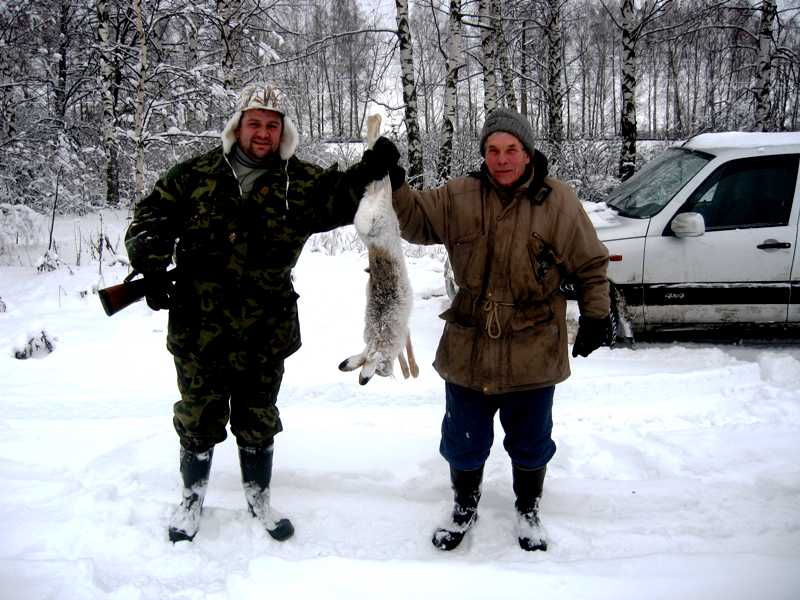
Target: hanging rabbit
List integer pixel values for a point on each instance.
(389, 294)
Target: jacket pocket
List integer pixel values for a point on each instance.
(192, 335)
(286, 336)
(540, 272)
(535, 355)
(467, 257)
(454, 360)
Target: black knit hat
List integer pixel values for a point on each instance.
(510, 121)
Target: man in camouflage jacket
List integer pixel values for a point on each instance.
(235, 220)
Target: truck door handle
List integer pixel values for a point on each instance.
(773, 245)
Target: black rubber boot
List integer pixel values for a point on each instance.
(528, 485)
(467, 491)
(256, 464)
(195, 467)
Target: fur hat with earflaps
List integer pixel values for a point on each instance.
(509, 121)
(265, 97)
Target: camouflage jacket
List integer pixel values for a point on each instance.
(235, 255)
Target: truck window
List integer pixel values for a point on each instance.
(745, 193)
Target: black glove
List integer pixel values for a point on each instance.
(380, 159)
(592, 333)
(397, 175)
(159, 290)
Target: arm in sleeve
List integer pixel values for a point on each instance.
(150, 238)
(585, 256)
(336, 195)
(423, 215)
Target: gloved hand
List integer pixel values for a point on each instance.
(397, 175)
(592, 333)
(159, 290)
(380, 159)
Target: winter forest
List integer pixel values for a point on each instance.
(676, 474)
(100, 96)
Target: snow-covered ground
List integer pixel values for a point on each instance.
(677, 473)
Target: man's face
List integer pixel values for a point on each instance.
(259, 132)
(506, 158)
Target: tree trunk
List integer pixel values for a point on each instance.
(676, 95)
(139, 114)
(584, 68)
(454, 63)
(227, 10)
(63, 49)
(423, 85)
(505, 63)
(415, 171)
(710, 108)
(614, 88)
(763, 83)
(627, 122)
(489, 48)
(524, 71)
(654, 127)
(107, 77)
(555, 120)
(695, 86)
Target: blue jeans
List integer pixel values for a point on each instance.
(468, 426)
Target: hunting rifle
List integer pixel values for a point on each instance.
(116, 297)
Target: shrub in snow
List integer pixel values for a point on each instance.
(49, 262)
(18, 225)
(37, 346)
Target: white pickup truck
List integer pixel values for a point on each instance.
(705, 236)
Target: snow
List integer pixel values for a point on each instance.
(676, 475)
(601, 216)
(743, 139)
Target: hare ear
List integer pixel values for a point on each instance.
(373, 129)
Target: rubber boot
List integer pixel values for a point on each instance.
(185, 521)
(467, 492)
(528, 485)
(256, 464)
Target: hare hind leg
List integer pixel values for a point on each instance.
(403, 365)
(360, 360)
(412, 362)
(352, 363)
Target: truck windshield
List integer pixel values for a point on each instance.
(649, 190)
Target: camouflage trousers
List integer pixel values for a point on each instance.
(214, 392)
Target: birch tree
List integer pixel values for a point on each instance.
(525, 74)
(509, 94)
(454, 64)
(489, 52)
(228, 11)
(554, 93)
(763, 75)
(108, 88)
(139, 125)
(627, 122)
(415, 168)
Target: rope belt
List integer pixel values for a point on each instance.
(493, 328)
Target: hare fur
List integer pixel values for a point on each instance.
(389, 293)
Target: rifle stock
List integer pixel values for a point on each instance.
(116, 297)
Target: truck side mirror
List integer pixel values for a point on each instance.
(689, 224)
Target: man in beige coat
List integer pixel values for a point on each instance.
(512, 234)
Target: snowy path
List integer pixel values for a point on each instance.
(677, 472)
